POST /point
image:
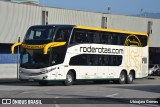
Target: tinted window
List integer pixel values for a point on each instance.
(93, 37)
(96, 60)
(79, 36)
(79, 60)
(113, 38)
(100, 37)
(62, 35)
(85, 36)
(110, 60)
(143, 40)
(40, 33)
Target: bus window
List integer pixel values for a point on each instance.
(62, 35)
(110, 39)
(143, 40)
(104, 38)
(40, 33)
(92, 60)
(79, 60)
(57, 55)
(115, 60)
(79, 36)
(93, 37)
(105, 60)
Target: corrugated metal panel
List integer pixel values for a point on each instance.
(15, 20)
(135, 24)
(62, 16)
(155, 36)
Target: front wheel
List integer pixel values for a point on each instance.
(69, 79)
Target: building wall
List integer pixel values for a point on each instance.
(62, 16)
(8, 71)
(155, 36)
(129, 23)
(15, 20)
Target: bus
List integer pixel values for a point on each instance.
(69, 53)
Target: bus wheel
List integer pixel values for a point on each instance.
(130, 78)
(43, 83)
(69, 79)
(122, 78)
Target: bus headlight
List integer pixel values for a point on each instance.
(44, 71)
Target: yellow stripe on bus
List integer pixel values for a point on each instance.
(53, 44)
(45, 47)
(33, 46)
(14, 45)
(110, 30)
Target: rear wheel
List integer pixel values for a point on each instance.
(69, 79)
(122, 78)
(130, 78)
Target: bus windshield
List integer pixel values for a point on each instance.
(40, 33)
(34, 59)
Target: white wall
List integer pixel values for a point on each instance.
(8, 71)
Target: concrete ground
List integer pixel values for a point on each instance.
(145, 88)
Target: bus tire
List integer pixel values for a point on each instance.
(43, 83)
(130, 78)
(122, 78)
(69, 79)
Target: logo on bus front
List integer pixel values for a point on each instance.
(33, 46)
(133, 52)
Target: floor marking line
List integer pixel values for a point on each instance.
(112, 95)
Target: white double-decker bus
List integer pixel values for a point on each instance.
(69, 53)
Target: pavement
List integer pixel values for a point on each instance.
(144, 88)
(11, 80)
(15, 80)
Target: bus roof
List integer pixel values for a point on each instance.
(55, 25)
(111, 30)
(97, 29)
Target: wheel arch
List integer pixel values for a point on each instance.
(124, 70)
(134, 72)
(74, 73)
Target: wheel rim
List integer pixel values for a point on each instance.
(130, 77)
(69, 78)
(122, 77)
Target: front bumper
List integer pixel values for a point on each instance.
(28, 77)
